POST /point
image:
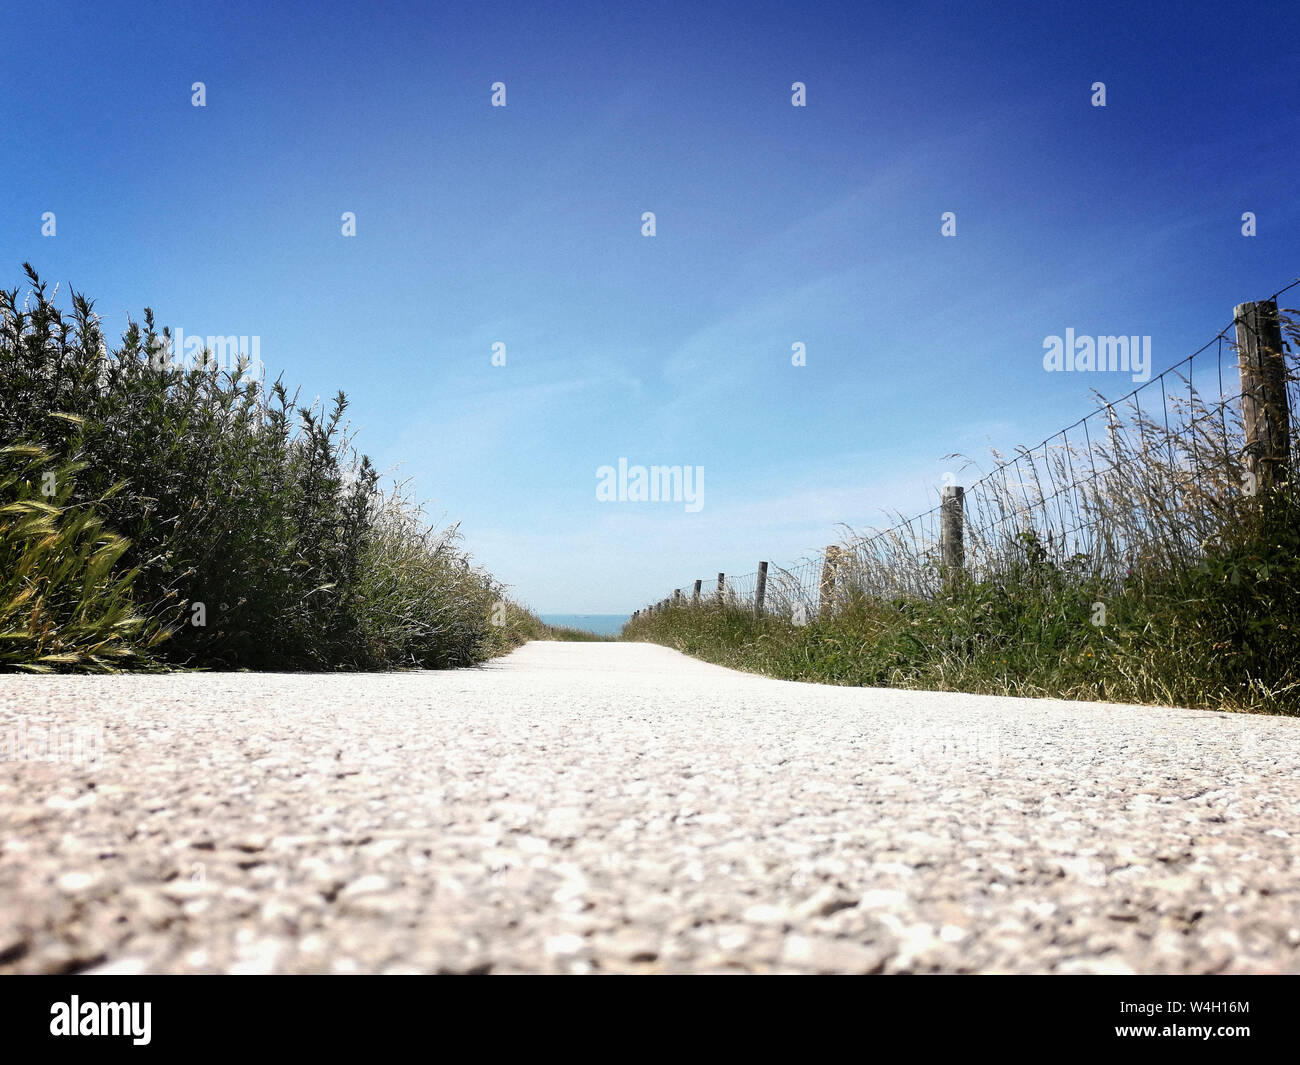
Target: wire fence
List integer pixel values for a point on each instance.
(1145, 482)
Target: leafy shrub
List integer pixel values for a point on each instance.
(256, 533)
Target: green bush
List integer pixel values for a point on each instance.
(256, 533)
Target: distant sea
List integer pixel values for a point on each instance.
(600, 624)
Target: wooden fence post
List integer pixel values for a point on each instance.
(677, 597)
(1264, 409)
(695, 596)
(760, 588)
(952, 545)
(722, 586)
(830, 566)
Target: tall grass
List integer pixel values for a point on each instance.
(63, 602)
(1133, 566)
(246, 526)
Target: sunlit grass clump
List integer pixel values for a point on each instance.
(64, 601)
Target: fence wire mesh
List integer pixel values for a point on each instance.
(1145, 482)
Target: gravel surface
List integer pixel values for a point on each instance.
(619, 807)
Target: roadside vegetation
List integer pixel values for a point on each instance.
(1194, 600)
(1223, 637)
(567, 634)
(156, 515)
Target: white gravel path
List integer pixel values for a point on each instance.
(620, 807)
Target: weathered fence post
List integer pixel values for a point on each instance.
(830, 566)
(760, 588)
(722, 586)
(1264, 408)
(677, 597)
(952, 544)
(695, 596)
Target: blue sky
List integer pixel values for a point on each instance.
(775, 225)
